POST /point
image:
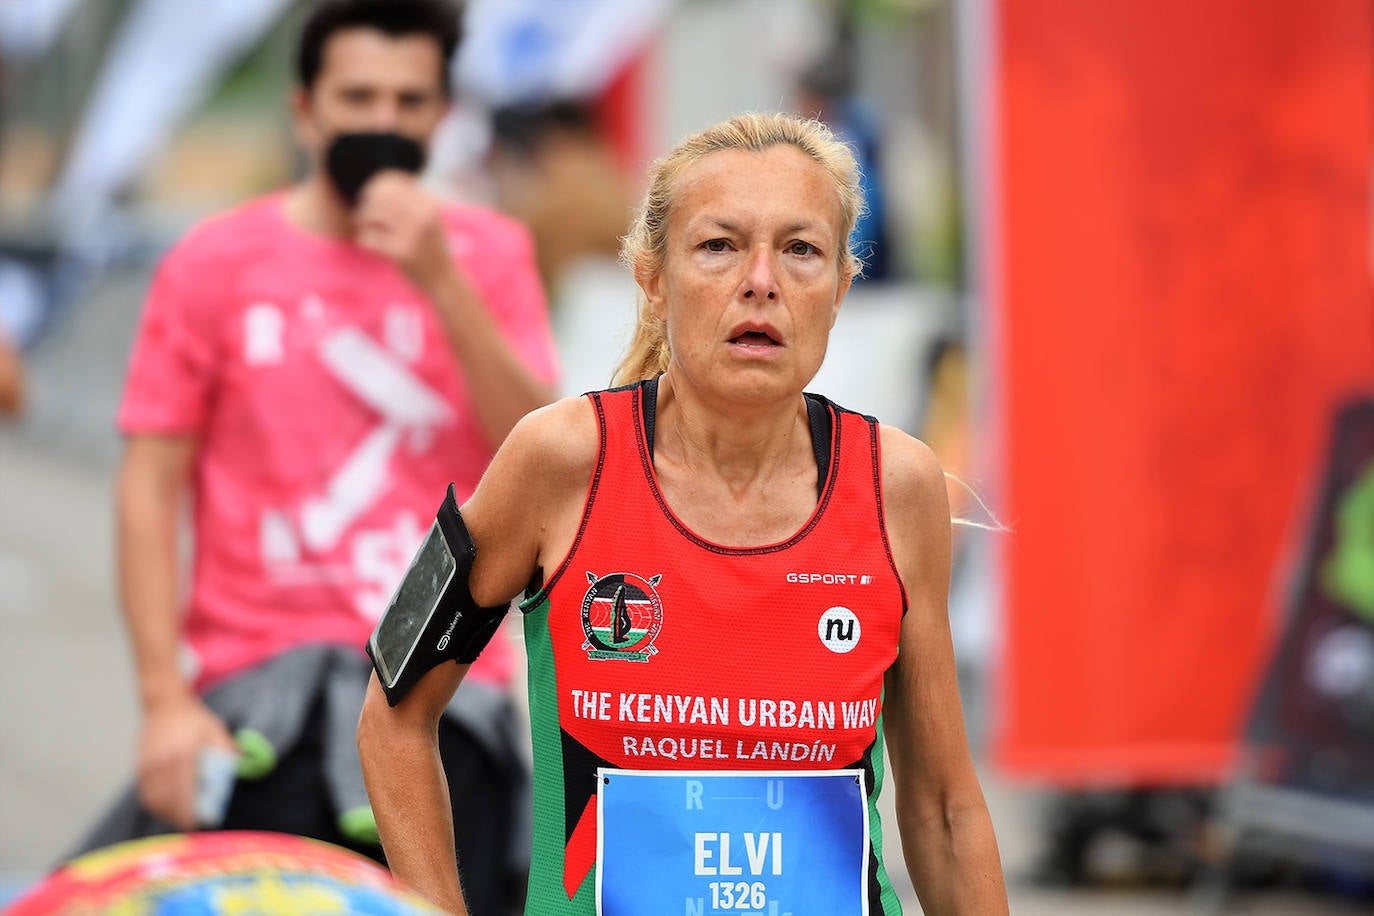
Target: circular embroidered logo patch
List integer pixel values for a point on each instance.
(621, 617)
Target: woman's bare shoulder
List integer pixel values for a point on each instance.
(559, 442)
(915, 500)
(912, 475)
(547, 461)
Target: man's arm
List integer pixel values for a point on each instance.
(947, 836)
(176, 724)
(400, 220)
(502, 388)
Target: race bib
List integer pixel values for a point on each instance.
(782, 844)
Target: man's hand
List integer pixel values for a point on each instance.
(174, 732)
(398, 219)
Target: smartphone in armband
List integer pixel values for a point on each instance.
(433, 618)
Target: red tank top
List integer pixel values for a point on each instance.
(653, 648)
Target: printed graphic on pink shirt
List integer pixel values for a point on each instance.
(294, 540)
(330, 414)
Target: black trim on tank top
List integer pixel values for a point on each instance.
(882, 512)
(648, 406)
(580, 764)
(822, 431)
(817, 413)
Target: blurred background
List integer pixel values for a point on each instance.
(1119, 276)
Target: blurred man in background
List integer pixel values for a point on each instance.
(312, 369)
(17, 320)
(11, 378)
(554, 170)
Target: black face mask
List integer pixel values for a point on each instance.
(352, 159)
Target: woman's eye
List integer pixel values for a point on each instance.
(716, 245)
(801, 248)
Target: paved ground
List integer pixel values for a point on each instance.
(67, 720)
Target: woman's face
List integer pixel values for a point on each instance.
(750, 285)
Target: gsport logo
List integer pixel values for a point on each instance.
(828, 578)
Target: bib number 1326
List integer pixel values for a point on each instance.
(779, 844)
(740, 895)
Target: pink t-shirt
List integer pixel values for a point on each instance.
(331, 414)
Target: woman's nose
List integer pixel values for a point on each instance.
(761, 282)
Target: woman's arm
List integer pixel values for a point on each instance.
(527, 504)
(947, 837)
(405, 783)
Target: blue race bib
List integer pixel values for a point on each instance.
(787, 843)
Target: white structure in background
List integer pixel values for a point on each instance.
(28, 27)
(717, 58)
(180, 48)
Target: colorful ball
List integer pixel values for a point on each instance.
(218, 874)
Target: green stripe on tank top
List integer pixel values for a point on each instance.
(892, 906)
(546, 896)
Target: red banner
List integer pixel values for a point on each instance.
(1185, 294)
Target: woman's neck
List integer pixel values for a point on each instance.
(743, 447)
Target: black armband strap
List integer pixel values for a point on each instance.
(433, 618)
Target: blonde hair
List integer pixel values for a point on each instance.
(645, 246)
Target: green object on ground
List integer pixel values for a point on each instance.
(360, 826)
(258, 757)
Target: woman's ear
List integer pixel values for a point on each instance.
(651, 284)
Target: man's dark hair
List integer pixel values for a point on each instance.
(440, 19)
(523, 128)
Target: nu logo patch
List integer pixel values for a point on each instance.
(839, 629)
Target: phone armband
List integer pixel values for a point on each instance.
(432, 617)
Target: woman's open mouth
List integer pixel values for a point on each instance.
(754, 339)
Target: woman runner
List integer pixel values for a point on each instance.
(735, 591)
